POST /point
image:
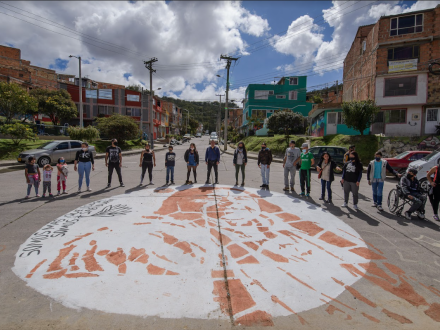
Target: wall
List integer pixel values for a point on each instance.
(420, 98)
(405, 129)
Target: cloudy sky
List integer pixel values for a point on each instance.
(272, 39)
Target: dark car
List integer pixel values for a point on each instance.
(337, 154)
(400, 162)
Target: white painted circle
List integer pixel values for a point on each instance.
(157, 253)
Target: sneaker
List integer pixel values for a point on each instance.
(65, 192)
(216, 182)
(421, 215)
(344, 205)
(195, 181)
(207, 182)
(302, 193)
(242, 184)
(328, 201)
(356, 207)
(50, 195)
(108, 185)
(140, 183)
(58, 193)
(408, 215)
(79, 190)
(292, 189)
(151, 182)
(307, 195)
(374, 205)
(380, 208)
(172, 182)
(88, 189)
(122, 185)
(436, 217)
(262, 186)
(44, 196)
(27, 197)
(166, 183)
(321, 198)
(236, 183)
(37, 195)
(286, 188)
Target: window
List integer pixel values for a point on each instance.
(63, 146)
(20, 75)
(128, 111)
(293, 95)
(403, 53)
(395, 116)
(102, 110)
(431, 114)
(417, 156)
(400, 86)
(75, 145)
(135, 112)
(261, 95)
(260, 114)
(293, 81)
(406, 25)
(281, 96)
(271, 93)
(314, 151)
(340, 119)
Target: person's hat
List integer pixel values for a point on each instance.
(304, 145)
(292, 141)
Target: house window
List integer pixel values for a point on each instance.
(395, 116)
(135, 112)
(406, 25)
(403, 53)
(340, 118)
(293, 81)
(271, 93)
(260, 114)
(431, 115)
(261, 95)
(128, 111)
(293, 95)
(102, 110)
(281, 96)
(401, 86)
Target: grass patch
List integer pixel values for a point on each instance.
(277, 143)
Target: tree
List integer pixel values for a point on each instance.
(316, 98)
(286, 121)
(193, 125)
(88, 134)
(14, 100)
(122, 128)
(18, 132)
(58, 105)
(137, 88)
(359, 115)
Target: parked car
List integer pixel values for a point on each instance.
(337, 154)
(214, 138)
(423, 166)
(49, 152)
(187, 136)
(179, 143)
(198, 135)
(400, 162)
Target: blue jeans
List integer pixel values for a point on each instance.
(84, 167)
(327, 184)
(265, 173)
(32, 182)
(377, 192)
(170, 169)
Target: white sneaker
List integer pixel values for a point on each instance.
(141, 183)
(88, 189)
(59, 193)
(355, 207)
(151, 182)
(374, 205)
(344, 205)
(79, 190)
(380, 208)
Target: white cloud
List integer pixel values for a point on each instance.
(177, 32)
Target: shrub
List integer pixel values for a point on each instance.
(18, 132)
(122, 128)
(88, 134)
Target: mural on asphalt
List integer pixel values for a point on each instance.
(159, 253)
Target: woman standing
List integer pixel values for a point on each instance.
(147, 161)
(192, 160)
(351, 178)
(240, 161)
(434, 192)
(325, 168)
(83, 163)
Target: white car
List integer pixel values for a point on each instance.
(214, 138)
(187, 136)
(423, 166)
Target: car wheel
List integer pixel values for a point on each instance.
(424, 184)
(43, 161)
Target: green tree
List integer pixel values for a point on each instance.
(14, 100)
(316, 98)
(137, 88)
(193, 125)
(359, 115)
(120, 127)
(88, 133)
(286, 121)
(58, 105)
(18, 132)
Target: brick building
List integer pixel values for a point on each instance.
(388, 62)
(235, 118)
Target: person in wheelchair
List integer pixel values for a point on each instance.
(411, 189)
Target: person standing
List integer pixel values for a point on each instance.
(83, 163)
(411, 189)
(291, 158)
(33, 176)
(170, 162)
(240, 161)
(113, 160)
(379, 167)
(192, 160)
(147, 161)
(434, 192)
(307, 161)
(47, 180)
(347, 154)
(212, 159)
(351, 178)
(325, 168)
(62, 172)
(264, 160)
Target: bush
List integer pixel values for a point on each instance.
(122, 128)
(18, 132)
(88, 134)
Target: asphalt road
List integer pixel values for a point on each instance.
(398, 288)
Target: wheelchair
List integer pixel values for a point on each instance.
(397, 201)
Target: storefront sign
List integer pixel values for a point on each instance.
(106, 94)
(406, 65)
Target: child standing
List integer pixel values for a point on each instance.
(33, 176)
(170, 162)
(47, 177)
(61, 175)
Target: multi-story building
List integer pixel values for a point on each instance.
(389, 62)
(263, 100)
(157, 117)
(235, 118)
(167, 108)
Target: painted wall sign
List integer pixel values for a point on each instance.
(133, 98)
(158, 253)
(91, 93)
(404, 65)
(106, 94)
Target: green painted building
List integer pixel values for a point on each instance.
(262, 100)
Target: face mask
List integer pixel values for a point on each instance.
(240, 148)
(304, 150)
(62, 161)
(351, 159)
(409, 176)
(147, 149)
(262, 148)
(115, 143)
(84, 149)
(378, 159)
(192, 149)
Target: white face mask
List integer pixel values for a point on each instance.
(192, 149)
(84, 149)
(304, 150)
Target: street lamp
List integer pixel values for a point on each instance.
(81, 119)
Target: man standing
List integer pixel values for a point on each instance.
(170, 162)
(347, 154)
(307, 161)
(212, 159)
(291, 158)
(113, 160)
(264, 161)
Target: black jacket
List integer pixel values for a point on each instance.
(245, 160)
(408, 186)
(332, 165)
(265, 157)
(196, 156)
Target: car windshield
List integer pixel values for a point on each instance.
(431, 155)
(48, 145)
(402, 155)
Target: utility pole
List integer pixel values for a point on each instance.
(81, 111)
(142, 112)
(228, 66)
(149, 66)
(219, 115)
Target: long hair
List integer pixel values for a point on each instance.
(357, 160)
(193, 144)
(329, 156)
(244, 146)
